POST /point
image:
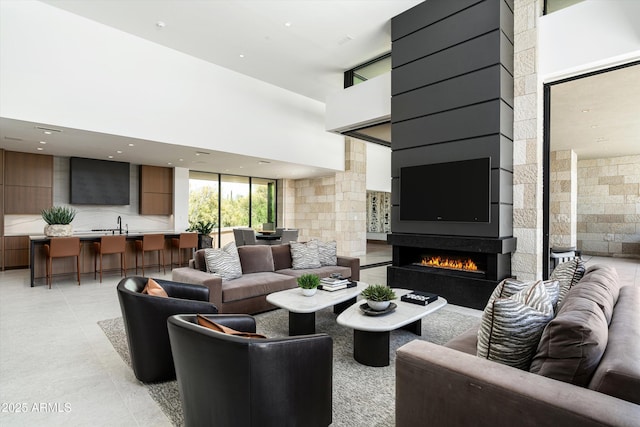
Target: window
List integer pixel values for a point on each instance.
(230, 201)
(368, 70)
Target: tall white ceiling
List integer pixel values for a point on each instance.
(305, 46)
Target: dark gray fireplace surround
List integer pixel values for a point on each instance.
(452, 100)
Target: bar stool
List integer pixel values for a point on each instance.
(60, 247)
(151, 242)
(185, 241)
(110, 245)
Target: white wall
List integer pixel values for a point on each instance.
(61, 69)
(378, 168)
(360, 105)
(590, 35)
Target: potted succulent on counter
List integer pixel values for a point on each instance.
(309, 284)
(378, 296)
(58, 219)
(204, 229)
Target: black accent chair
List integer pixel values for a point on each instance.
(145, 321)
(225, 380)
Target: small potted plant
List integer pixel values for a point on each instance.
(204, 229)
(309, 284)
(378, 296)
(58, 219)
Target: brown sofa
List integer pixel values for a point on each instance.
(449, 386)
(265, 269)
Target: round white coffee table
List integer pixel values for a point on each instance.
(302, 309)
(371, 333)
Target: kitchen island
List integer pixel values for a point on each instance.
(38, 258)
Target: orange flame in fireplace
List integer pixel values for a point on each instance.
(459, 264)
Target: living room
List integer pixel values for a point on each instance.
(328, 155)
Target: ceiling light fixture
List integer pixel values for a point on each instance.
(39, 148)
(287, 24)
(48, 131)
(161, 24)
(182, 160)
(111, 157)
(43, 142)
(241, 55)
(586, 110)
(131, 145)
(119, 151)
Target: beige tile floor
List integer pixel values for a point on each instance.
(57, 364)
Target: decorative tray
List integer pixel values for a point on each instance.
(371, 312)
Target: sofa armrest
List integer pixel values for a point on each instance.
(197, 277)
(352, 263)
(445, 387)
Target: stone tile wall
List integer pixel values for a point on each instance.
(609, 206)
(527, 143)
(332, 207)
(563, 207)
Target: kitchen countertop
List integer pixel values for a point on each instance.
(97, 234)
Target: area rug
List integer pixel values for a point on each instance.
(362, 395)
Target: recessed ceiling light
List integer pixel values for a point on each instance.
(39, 148)
(287, 24)
(47, 132)
(586, 110)
(111, 157)
(594, 126)
(119, 151)
(161, 24)
(182, 160)
(43, 142)
(241, 55)
(131, 145)
(169, 163)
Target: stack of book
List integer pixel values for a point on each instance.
(330, 284)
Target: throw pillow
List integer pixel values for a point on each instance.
(568, 274)
(509, 287)
(327, 252)
(573, 343)
(511, 332)
(224, 262)
(153, 288)
(304, 255)
(210, 324)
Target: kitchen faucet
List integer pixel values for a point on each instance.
(120, 224)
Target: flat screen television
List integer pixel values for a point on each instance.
(454, 191)
(98, 182)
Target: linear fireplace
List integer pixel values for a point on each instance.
(464, 270)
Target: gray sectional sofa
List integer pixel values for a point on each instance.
(449, 386)
(265, 269)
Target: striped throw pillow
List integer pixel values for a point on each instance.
(327, 252)
(304, 255)
(511, 329)
(224, 262)
(568, 274)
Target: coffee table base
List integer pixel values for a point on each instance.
(302, 323)
(372, 348)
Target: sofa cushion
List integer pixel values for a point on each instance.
(568, 274)
(321, 272)
(281, 256)
(327, 252)
(466, 342)
(153, 288)
(511, 330)
(618, 373)
(255, 258)
(224, 262)
(254, 285)
(304, 255)
(572, 344)
(600, 284)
